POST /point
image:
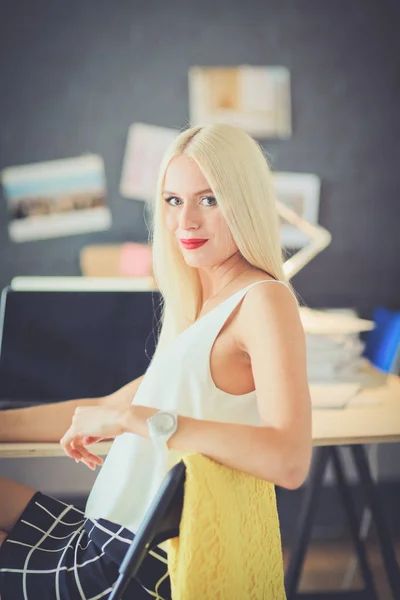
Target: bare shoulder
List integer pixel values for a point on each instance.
(269, 308)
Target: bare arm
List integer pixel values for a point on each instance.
(49, 422)
(269, 329)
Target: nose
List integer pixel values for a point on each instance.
(189, 217)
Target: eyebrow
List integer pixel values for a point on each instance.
(207, 191)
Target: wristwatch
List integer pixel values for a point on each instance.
(162, 427)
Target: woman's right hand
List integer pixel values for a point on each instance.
(81, 454)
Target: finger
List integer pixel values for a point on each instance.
(74, 450)
(68, 449)
(78, 447)
(90, 439)
(85, 454)
(91, 455)
(88, 464)
(82, 458)
(92, 464)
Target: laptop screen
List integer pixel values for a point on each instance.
(59, 345)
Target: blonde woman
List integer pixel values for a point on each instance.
(228, 380)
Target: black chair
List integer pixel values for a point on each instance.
(160, 523)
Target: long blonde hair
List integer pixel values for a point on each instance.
(238, 172)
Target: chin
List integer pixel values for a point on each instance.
(197, 262)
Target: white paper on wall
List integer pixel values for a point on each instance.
(145, 148)
(301, 193)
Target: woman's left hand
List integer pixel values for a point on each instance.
(91, 422)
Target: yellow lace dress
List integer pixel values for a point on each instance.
(229, 545)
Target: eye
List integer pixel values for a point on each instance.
(170, 200)
(213, 201)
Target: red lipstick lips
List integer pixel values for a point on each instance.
(192, 244)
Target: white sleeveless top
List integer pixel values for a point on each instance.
(178, 379)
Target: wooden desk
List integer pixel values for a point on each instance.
(376, 421)
(44, 449)
(373, 418)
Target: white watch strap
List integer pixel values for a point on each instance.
(156, 433)
(160, 444)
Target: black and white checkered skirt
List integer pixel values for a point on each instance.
(55, 553)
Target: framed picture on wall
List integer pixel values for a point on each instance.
(56, 198)
(301, 193)
(145, 147)
(257, 99)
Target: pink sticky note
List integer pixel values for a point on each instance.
(135, 260)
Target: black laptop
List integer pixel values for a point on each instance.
(58, 345)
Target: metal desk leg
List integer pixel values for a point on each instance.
(385, 539)
(351, 514)
(297, 554)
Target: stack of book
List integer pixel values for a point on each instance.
(334, 347)
(333, 358)
(334, 355)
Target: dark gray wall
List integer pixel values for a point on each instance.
(76, 74)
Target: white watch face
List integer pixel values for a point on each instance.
(165, 422)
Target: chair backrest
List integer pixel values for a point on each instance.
(383, 343)
(160, 523)
(162, 520)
